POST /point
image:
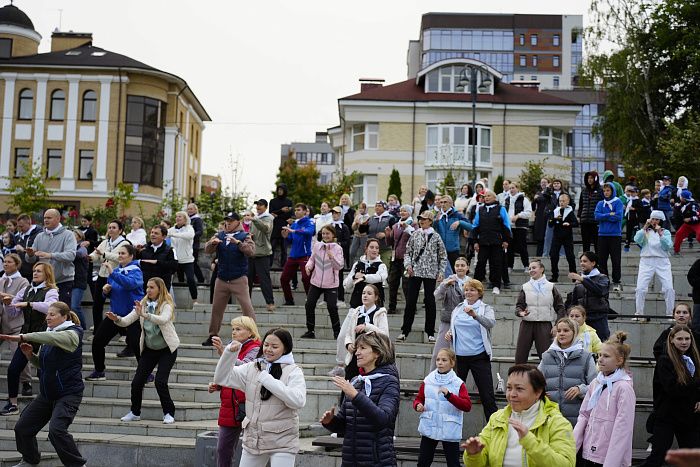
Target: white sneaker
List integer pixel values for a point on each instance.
(617, 288)
(24, 463)
(401, 338)
(496, 291)
(526, 270)
(130, 417)
(168, 419)
(342, 305)
(431, 338)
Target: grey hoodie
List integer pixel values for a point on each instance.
(62, 246)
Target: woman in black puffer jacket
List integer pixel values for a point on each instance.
(370, 405)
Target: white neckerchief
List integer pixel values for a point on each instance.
(538, 284)
(513, 198)
(34, 288)
(689, 365)
(489, 206)
(477, 306)
(113, 244)
(126, 269)
(603, 381)
(16, 275)
(286, 359)
(594, 272)
(229, 237)
(367, 380)
(576, 345)
(363, 313)
(686, 205)
(460, 282)
(51, 232)
(442, 379)
(64, 325)
(337, 223)
(384, 214)
(610, 202)
(151, 306)
(344, 209)
(585, 337)
(630, 200)
(427, 231)
(28, 232)
(567, 210)
(155, 247)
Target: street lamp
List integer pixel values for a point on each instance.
(467, 80)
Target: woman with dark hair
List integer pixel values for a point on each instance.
(369, 269)
(530, 426)
(367, 413)
(275, 390)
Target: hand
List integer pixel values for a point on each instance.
(327, 416)
(576, 277)
(6, 299)
(106, 289)
(454, 225)
(420, 407)
(330, 255)
(686, 220)
(350, 348)
(26, 349)
(30, 251)
(448, 336)
(285, 209)
(19, 248)
(440, 277)
(409, 271)
(85, 244)
(345, 386)
(218, 345)
(213, 387)
(112, 316)
(234, 346)
(450, 282)
(697, 406)
(572, 393)
(387, 232)
(8, 337)
(504, 245)
(523, 313)
(138, 307)
(519, 427)
(381, 235)
(108, 267)
(473, 445)
(683, 457)
(215, 240)
(308, 269)
(470, 311)
(140, 247)
(444, 391)
(566, 224)
(21, 304)
(359, 328)
(42, 254)
(359, 275)
(476, 247)
(513, 219)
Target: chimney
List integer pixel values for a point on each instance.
(69, 40)
(370, 83)
(321, 137)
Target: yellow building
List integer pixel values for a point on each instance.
(424, 127)
(93, 118)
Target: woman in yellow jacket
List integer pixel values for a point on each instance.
(529, 431)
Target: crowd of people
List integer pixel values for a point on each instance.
(577, 407)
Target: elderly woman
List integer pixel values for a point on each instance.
(182, 238)
(529, 427)
(137, 236)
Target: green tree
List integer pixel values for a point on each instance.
(530, 177)
(394, 184)
(302, 182)
(29, 192)
(447, 186)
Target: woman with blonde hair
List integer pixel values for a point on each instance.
(137, 236)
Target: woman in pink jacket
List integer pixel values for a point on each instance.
(323, 266)
(605, 423)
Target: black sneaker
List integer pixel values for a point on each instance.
(506, 286)
(27, 389)
(126, 352)
(288, 303)
(309, 335)
(9, 409)
(208, 342)
(554, 279)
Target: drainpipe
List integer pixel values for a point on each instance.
(413, 150)
(503, 156)
(119, 126)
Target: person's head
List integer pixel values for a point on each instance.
(181, 219)
(231, 222)
(248, 217)
(578, 314)
(261, 206)
(24, 222)
(136, 223)
(372, 248)
(429, 197)
(370, 296)
(281, 191)
(325, 208)
(506, 185)
(646, 194)
(680, 342)
(11, 225)
(666, 180)
(328, 233)
(79, 236)
(445, 360)
(126, 254)
(513, 188)
(362, 208)
(86, 221)
(656, 218)
(590, 179)
(489, 197)
(158, 234)
(682, 313)
(564, 200)
(536, 269)
(379, 208)
(567, 332)
(461, 266)
(588, 261)
(300, 210)
(392, 199)
(526, 385)
(373, 349)
(52, 218)
(608, 191)
(7, 238)
(167, 223)
(473, 290)
(614, 353)
(657, 186)
(276, 342)
(244, 328)
(43, 272)
(425, 219)
(422, 190)
(556, 185)
(156, 291)
(337, 213)
(115, 228)
(192, 209)
(686, 196)
(447, 202)
(464, 190)
(405, 211)
(59, 313)
(544, 183)
(345, 199)
(11, 263)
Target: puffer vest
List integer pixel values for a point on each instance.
(441, 420)
(232, 262)
(61, 371)
(34, 321)
(519, 207)
(365, 268)
(540, 305)
(561, 374)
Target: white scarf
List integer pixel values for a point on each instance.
(538, 284)
(489, 206)
(609, 203)
(460, 282)
(630, 200)
(603, 381)
(155, 247)
(689, 365)
(576, 345)
(477, 306)
(16, 275)
(286, 359)
(126, 269)
(442, 379)
(151, 306)
(51, 232)
(567, 210)
(113, 244)
(34, 288)
(64, 325)
(427, 231)
(367, 380)
(363, 313)
(594, 272)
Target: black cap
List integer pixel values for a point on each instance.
(666, 177)
(232, 216)
(262, 202)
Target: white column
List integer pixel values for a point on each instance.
(7, 121)
(169, 159)
(100, 169)
(39, 119)
(69, 156)
(185, 156)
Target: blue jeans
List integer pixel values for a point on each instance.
(76, 299)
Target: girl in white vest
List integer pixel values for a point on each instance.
(441, 399)
(539, 305)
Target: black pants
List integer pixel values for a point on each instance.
(98, 303)
(260, 266)
(427, 452)
(396, 270)
(187, 269)
(106, 332)
(505, 276)
(279, 243)
(493, 254)
(599, 322)
(480, 366)
(59, 414)
(65, 289)
(331, 298)
(688, 436)
(197, 270)
(568, 244)
(589, 236)
(149, 359)
(630, 231)
(17, 365)
(414, 284)
(341, 289)
(519, 246)
(610, 247)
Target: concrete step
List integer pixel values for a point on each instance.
(10, 458)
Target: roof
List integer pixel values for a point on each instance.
(10, 14)
(91, 57)
(409, 91)
(306, 147)
(489, 21)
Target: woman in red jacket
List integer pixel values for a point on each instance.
(232, 410)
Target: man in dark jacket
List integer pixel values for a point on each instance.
(24, 238)
(491, 235)
(591, 292)
(587, 201)
(198, 225)
(281, 209)
(540, 205)
(156, 258)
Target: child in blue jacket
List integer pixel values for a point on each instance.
(609, 213)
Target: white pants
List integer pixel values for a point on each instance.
(648, 267)
(278, 459)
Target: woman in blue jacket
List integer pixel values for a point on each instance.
(608, 214)
(124, 286)
(367, 414)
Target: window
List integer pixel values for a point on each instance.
(451, 145)
(551, 141)
(53, 163)
(26, 104)
(365, 190)
(85, 164)
(534, 60)
(533, 78)
(555, 40)
(533, 39)
(144, 150)
(300, 157)
(5, 48)
(89, 106)
(21, 161)
(522, 39)
(58, 105)
(555, 61)
(523, 60)
(555, 82)
(365, 136)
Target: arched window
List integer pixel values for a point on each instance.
(25, 110)
(89, 106)
(58, 105)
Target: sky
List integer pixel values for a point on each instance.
(267, 72)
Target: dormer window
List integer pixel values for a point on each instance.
(449, 79)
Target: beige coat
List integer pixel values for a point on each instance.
(167, 328)
(104, 254)
(273, 425)
(11, 324)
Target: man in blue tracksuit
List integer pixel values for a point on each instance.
(664, 202)
(450, 224)
(299, 234)
(609, 213)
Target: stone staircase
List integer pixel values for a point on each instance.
(105, 440)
